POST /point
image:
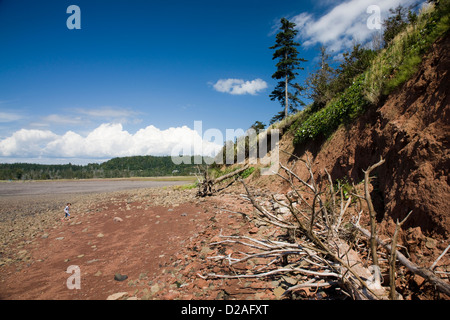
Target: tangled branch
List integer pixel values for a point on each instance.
(318, 222)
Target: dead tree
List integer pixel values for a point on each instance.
(207, 186)
(427, 274)
(318, 255)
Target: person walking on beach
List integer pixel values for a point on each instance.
(66, 211)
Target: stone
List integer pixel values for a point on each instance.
(290, 280)
(92, 261)
(278, 292)
(117, 219)
(117, 296)
(430, 243)
(120, 277)
(100, 235)
(154, 289)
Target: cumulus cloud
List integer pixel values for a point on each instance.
(239, 86)
(106, 141)
(26, 142)
(343, 24)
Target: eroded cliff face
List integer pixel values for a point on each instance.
(411, 131)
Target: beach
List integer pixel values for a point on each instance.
(158, 237)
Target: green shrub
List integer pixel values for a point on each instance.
(342, 110)
(247, 172)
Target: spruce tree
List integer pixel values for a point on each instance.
(287, 92)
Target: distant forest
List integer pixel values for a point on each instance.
(123, 167)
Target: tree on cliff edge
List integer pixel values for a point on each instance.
(287, 92)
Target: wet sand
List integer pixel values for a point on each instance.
(52, 187)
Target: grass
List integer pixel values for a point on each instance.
(396, 64)
(392, 66)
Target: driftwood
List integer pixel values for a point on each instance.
(425, 273)
(321, 251)
(206, 187)
(318, 255)
(372, 213)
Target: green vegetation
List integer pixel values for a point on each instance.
(216, 172)
(400, 59)
(366, 76)
(247, 173)
(286, 92)
(125, 167)
(340, 111)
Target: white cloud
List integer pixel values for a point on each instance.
(239, 86)
(9, 117)
(343, 24)
(25, 142)
(106, 141)
(61, 119)
(107, 112)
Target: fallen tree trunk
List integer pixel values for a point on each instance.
(206, 188)
(425, 273)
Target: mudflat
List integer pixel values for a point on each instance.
(52, 187)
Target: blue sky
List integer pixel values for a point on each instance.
(138, 74)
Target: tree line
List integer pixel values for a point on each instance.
(122, 167)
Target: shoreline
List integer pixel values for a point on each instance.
(52, 187)
(156, 178)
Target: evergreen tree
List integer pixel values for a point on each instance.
(318, 83)
(257, 126)
(398, 20)
(355, 62)
(286, 92)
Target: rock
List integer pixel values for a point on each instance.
(414, 235)
(120, 277)
(171, 295)
(44, 236)
(290, 280)
(278, 292)
(184, 214)
(430, 243)
(418, 280)
(117, 219)
(253, 230)
(59, 238)
(117, 296)
(100, 235)
(92, 261)
(154, 289)
(222, 295)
